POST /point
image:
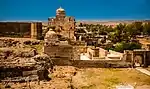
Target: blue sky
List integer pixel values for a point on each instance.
(80, 9)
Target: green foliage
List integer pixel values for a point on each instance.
(146, 28)
(121, 32)
(134, 45)
(121, 35)
(120, 47)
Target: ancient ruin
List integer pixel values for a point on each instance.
(21, 63)
(21, 29)
(55, 47)
(64, 25)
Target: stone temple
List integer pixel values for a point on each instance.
(64, 25)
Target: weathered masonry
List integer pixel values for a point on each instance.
(21, 29)
(138, 57)
(64, 25)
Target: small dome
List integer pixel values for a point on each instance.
(50, 32)
(60, 9)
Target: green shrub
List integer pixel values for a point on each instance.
(120, 47)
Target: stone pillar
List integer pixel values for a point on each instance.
(145, 63)
(33, 30)
(132, 59)
(80, 38)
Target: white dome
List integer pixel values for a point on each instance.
(60, 9)
(50, 32)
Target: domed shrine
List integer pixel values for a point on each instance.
(64, 25)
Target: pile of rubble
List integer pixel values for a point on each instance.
(23, 64)
(17, 42)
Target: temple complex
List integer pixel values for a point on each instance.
(64, 25)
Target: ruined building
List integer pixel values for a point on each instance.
(21, 29)
(56, 48)
(64, 25)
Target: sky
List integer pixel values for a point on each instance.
(80, 9)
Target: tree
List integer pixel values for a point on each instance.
(146, 28)
(138, 26)
(131, 31)
(118, 33)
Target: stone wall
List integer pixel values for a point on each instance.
(92, 63)
(130, 56)
(61, 51)
(115, 53)
(77, 50)
(21, 29)
(66, 26)
(102, 53)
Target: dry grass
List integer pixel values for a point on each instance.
(108, 78)
(38, 47)
(92, 78)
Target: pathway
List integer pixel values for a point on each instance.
(143, 71)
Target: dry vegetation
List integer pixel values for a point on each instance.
(109, 78)
(89, 78)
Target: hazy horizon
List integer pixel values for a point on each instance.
(38, 10)
(99, 20)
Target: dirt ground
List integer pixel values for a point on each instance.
(68, 77)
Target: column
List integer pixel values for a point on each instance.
(144, 54)
(33, 30)
(132, 59)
